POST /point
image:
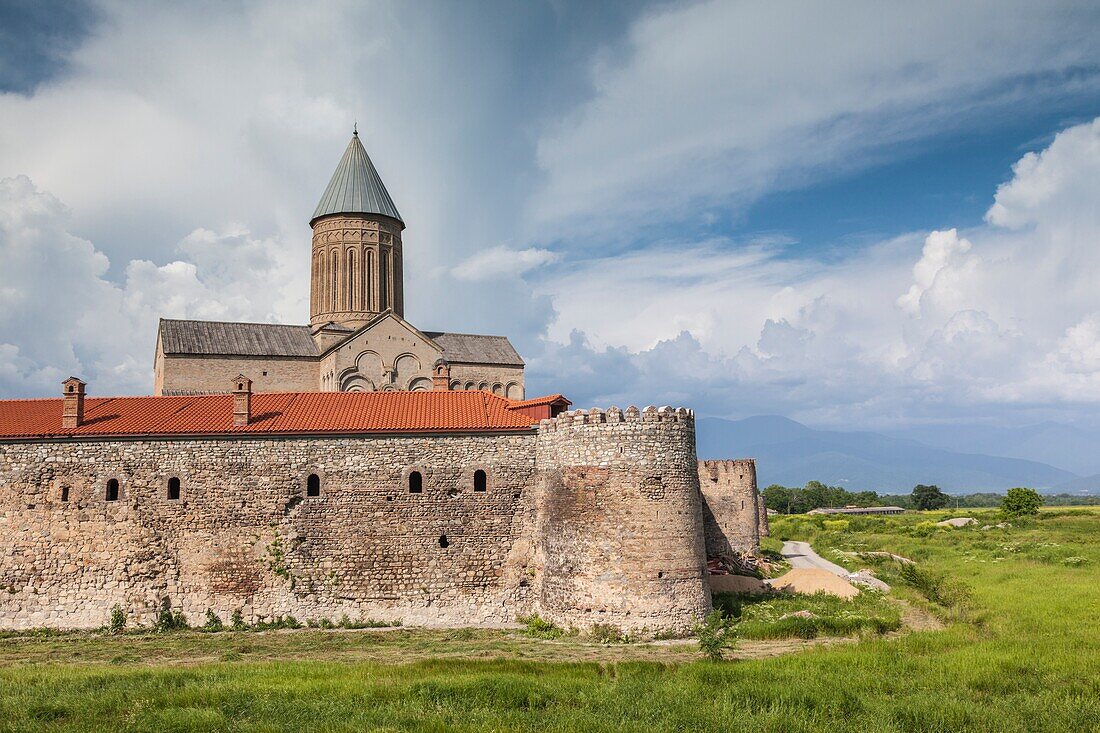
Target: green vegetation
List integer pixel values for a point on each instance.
(815, 494)
(928, 497)
(1011, 647)
(715, 635)
(1020, 501)
(785, 616)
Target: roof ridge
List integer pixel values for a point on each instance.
(235, 323)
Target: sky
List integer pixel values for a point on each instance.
(857, 214)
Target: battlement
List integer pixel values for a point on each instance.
(614, 415)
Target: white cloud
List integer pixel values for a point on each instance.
(716, 103)
(953, 323)
(499, 262)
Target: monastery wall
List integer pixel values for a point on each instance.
(619, 520)
(196, 375)
(243, 533)
(731, 506)
(505, 381)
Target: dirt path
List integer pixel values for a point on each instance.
(801, 555)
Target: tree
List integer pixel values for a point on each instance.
(1021, 501)
(777, 497)
(928, 497)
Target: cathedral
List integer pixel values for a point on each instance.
(357, 339)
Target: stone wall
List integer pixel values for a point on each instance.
(731, 506)
(206, 374)
(506, 381)
(244, 535)
(619, 520)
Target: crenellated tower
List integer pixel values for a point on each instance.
(356, 262)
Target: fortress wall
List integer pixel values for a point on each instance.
(731, 506)
(619, 520)
(244, 535)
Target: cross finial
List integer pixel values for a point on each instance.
(355, 128)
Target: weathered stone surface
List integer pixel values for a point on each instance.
(588, 520)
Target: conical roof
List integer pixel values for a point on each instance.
(355, 187)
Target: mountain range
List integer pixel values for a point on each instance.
(959, 459)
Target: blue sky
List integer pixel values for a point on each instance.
(857, 216)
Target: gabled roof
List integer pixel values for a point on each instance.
(384, 315)
(286, 413)
(218, 338)
(356, 187)
(549, 399)
(476, 349)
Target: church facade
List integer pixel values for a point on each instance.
(357, 339)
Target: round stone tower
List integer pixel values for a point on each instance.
(356, 265)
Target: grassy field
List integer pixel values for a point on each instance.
(1019, 650)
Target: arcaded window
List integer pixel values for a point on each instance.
(112, 489)
(481, 481)
(416, 482)
(313, 485)
(174, 488)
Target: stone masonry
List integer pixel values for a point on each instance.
(594, 517)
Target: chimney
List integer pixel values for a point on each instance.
(72, 410)
(441, 376)
(242, 400)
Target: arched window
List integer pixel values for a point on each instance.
(481, 481)
(174, 488)
(443, 541)
(313, 485)
(416, 482)
(112, 489)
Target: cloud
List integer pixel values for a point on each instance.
(500, 262)
(714, 104)
(953, 324)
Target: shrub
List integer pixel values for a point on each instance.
(213, 623)
(836, 525)
(118, 620)
(237, 620)
(167, 620)
(714, 635)
(937, 587)
(1020, 501)
(608, 634)
(540, 628)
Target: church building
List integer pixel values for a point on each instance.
(357, 339)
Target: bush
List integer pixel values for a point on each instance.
(937, 587)
(1020, 501)
(167, 620)
(540, 628)
(237, 620)
(213, 623)
(715, 635)
(118, 620)
(608, 634)
(836, 525)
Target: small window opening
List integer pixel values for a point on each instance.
(265, 374)
(112, 490)
(443, 541)
(742, 503)
(174, 488)
(481, 481)
(70, 388)
(240, 385)
(64, 493)
(416, 482)
(313, 485)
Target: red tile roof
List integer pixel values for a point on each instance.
(290, 413)
(539, 401)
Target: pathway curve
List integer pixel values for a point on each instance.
(801, 555)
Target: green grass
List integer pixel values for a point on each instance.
(1020, 652)
(770, 616)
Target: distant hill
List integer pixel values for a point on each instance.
(1065, 446)
(1085, 484)
(791, 454)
